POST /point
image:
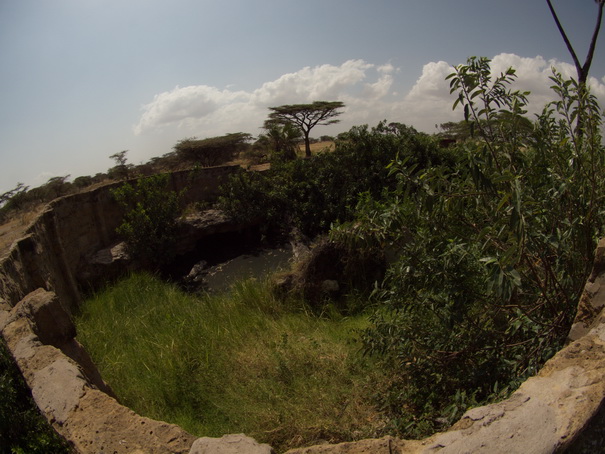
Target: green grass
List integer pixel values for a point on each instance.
(237, 362)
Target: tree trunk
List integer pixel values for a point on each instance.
(307, 145)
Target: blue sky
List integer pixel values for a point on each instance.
(83, 79)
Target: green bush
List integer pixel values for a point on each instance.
(311, 194)
(149, 225)
(490, 251)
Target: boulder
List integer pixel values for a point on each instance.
(49, 320)
(229, 444)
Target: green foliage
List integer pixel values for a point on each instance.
(22, 428)
(241, 361)
(121, 169)
(212, 151)
(149, 225)
(311, 194)
(280, 141)
(490, 250)
(307, 116)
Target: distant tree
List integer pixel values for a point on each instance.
(212, 151)
(281, 140)
(53, 188)
(119, 157)
(121, 169)
(13, 200)
(83, 181)
(307, 116)
(8, 195)
(459, 130)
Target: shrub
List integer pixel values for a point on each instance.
(311, 194)
(149, 225)
(490, 251)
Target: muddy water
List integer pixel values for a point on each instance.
(256, 264)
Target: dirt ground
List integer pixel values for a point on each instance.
(15, 228)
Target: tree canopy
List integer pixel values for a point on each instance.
(307, 116)
(212, 151)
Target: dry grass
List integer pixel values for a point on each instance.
(15, 228)
(317, 147)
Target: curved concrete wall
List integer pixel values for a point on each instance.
(40, 283)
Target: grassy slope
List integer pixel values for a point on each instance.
(242, 362)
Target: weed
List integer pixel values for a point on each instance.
(241, 361)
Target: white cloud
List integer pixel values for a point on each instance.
(365, 88)
(180, 105)
(211, 111)
(313, 84)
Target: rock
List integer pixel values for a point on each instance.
(108, 256)
(57, 389)
(229, 444)
(105, 266)
(330, 286)
(386, 445)
(50, 321)
(197, 272)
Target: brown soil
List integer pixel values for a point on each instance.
(14, 228)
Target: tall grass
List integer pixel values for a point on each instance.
(237, 362)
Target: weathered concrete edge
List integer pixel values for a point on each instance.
(88, 418)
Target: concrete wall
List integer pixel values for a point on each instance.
(38, 289)
(55, 248)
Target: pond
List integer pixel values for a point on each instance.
(221, 259)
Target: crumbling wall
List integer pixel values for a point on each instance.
(72, 228)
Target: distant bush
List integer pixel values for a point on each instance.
(213, 151)
(22, 198)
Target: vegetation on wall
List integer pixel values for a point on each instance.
(311, 194)
(149, 224)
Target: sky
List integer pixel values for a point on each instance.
(81, 80)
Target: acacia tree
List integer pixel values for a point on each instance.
(307, 116)
(121, 168)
